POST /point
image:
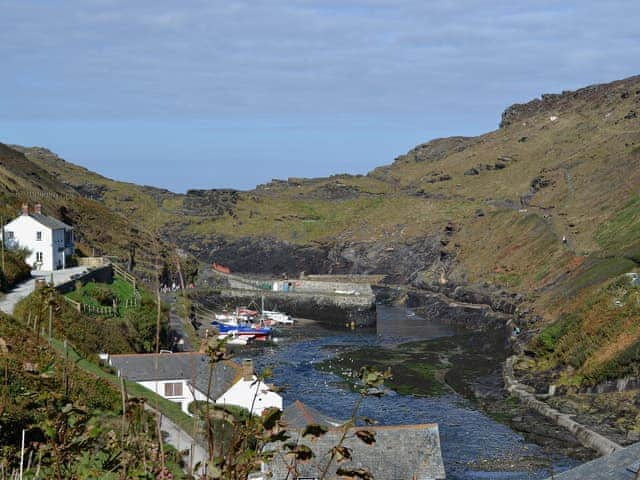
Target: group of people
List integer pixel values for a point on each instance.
(164, 288)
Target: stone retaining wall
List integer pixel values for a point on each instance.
(585, 436)
(102, 275)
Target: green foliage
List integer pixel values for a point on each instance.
(15, 270)
(94, 293)
(90, 336)
(134, 331)
(73, 423)
(622, 230)
(548, 338)
(599, 270)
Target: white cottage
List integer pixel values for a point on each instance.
(48, 240)
(184, 377)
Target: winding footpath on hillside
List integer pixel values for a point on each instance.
(9, 301)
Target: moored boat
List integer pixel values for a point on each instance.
(260, 333)
(277, 318)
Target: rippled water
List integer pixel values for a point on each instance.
(466, 434)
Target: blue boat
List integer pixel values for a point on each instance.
(256, 331)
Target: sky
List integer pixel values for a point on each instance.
(230, 94)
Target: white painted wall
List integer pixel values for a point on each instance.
(188, 395)
(54, 254)
(242, 394)
(25, 230)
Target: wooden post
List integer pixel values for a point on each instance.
(22, 455)
(65, 374)
(50, 319)
(123, 392)
(2, 223)
(179, 271)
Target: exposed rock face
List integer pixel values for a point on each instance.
(476, 316)
(261, 255)
(210, 203)
(436, 149)
(554, 103)
(399, 261)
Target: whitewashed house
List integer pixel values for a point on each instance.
(48, 240)
(184, 377)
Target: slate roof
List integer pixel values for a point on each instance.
(298, 415)
(178, 366)
(620, 465)
(402, 452)
(50, 222)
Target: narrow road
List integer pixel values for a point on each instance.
(9, 300)
(176, 324)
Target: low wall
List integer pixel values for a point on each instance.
(585, 436)
(101, 274)
(92, 261)
(301, 286)
(360, 279)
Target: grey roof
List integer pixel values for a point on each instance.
(193, 367)
(298, 415)
(402, 452)
(619, 465)
(50, 222)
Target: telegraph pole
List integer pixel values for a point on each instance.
(2, 223)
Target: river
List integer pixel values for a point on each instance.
(474, 446)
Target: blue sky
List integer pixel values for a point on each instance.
(210, 94)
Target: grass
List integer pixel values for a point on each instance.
(622, 230)
(93, 293)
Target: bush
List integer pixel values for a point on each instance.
(16, 269)
(103, 295)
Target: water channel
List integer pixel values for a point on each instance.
(474, 446)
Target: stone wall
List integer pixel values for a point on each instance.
(102, 275)
(335, 309)
(441, 307)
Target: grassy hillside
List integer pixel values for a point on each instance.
(488, 210)
(134, 330)
(98, 229)
(72, 418)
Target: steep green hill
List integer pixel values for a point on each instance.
(99, 229)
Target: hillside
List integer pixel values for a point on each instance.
(71, 415)
(489, 213)
(98, 229)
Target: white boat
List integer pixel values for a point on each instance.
(278, 317)
(235, 339)
(225, 317)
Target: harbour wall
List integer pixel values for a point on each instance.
(333, 309)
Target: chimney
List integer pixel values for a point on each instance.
(38, 208)
(25, 209)
(247, 369)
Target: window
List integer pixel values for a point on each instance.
(38, 236)
(39, 257)
(173, 389)
(9, 235)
